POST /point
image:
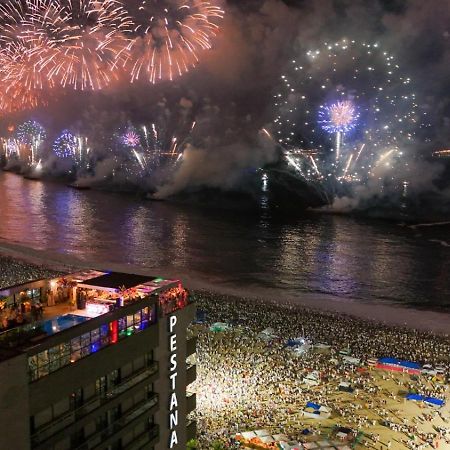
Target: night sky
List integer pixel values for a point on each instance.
(230, 92)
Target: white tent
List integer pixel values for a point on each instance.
(324, 444)
(248, 435)
(280, 437)
(310, 445)
(312, 378)
(291, 445)
(267, 334)
(313, 413)
(351, 360)
(261, 433)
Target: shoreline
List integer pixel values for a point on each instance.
(377, 313)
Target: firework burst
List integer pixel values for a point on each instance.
(76, 41)
(156, 145)
(131, 139)
(166, 37)
(30, 132)
(365, 105)
(66, 145)
(21, 77)
(339, 117)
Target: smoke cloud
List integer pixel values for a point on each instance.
(230, 93)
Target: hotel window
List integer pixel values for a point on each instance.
(101, 386)
(76, 399)
(101, 422)
(77, 438)
(114, 378)
(59, 356)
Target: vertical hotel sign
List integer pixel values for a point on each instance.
(173, 400)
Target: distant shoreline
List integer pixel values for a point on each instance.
(383, 314)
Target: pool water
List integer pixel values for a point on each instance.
(60, 323)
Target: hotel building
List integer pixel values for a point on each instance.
(109, 374)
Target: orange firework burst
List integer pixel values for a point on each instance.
(166, 36)
(76, 40)
(21, 80)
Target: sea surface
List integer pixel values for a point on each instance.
(251, 251)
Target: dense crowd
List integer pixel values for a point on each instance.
(13, 272)
(246, 382)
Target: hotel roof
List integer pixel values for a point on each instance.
(116, 280)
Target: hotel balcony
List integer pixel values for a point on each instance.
(191, 345)
(191, 430)
(106, 437)
(46, 436)
(191, 374)
(145, 440)
(191, 402)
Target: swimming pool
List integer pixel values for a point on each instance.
(61, 323)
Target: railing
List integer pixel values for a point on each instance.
(144, 438)
(118, 425)
(191, 345)
(46, 432)
(191, 401)
(191, 429)
(191, 373)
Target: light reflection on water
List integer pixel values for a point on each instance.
(315, 253)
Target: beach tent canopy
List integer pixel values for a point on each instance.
(200, 316)
(322, 346)
(313, 405)
(219, 326)
(434, 401)
(280, 437)
(345, 387)
(399, 362)
(428, 400)
(261, 433)
(267, 439)
(267, 334)
(351, 360)
(248, 435)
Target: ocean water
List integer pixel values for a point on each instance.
(362, 260)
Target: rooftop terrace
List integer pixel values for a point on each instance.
(101, 292)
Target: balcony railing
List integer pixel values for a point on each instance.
(191, 401)
(61, 423)
(119, 425)
(191, 430)
(191, 374)
(146, 438)
(191, 345)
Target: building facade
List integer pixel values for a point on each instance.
(117, 379)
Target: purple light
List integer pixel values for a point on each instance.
(131, 139)
(339, 117)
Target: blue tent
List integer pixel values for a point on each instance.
(200, 317)
(416, 397)
(312, 405)
(399, 362)
(430, 400)
(434, 401)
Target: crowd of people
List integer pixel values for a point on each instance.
(246, 382)
(14, 271)
(15, 315)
